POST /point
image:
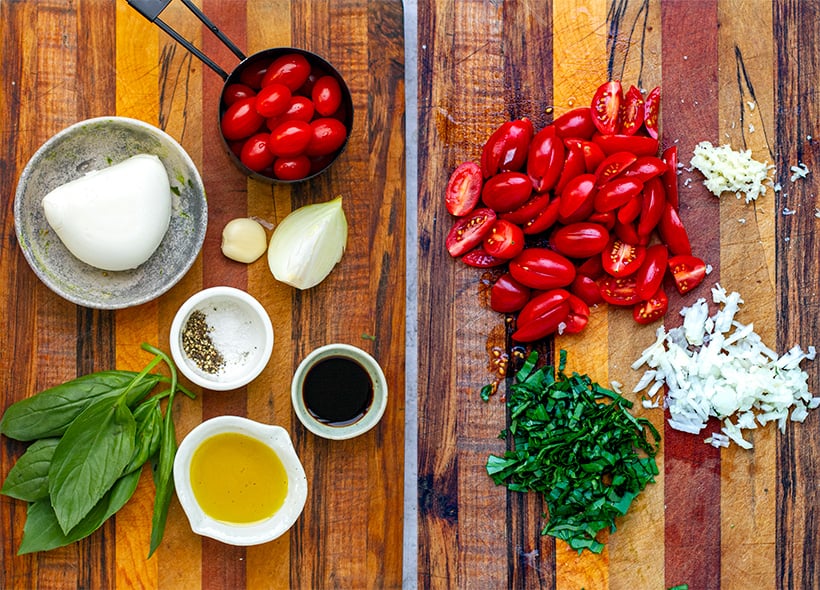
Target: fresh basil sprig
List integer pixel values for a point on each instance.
(92, 435)
(576, 443)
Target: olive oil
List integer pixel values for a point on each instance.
(337, 391)
(237, 479)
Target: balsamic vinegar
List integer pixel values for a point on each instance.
(337, 391)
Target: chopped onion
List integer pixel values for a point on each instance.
(308, 244)
(715, 366)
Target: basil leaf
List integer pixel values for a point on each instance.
(43, 532)
(163, 478)
(28, 479)
(50, 412)
(90, 457)
(148, 417)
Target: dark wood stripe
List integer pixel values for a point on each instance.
(797, 35)
(689, 108)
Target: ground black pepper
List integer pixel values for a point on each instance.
(197, 344)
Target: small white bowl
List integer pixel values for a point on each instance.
(371, 416)
(241, 331)
(278, 439)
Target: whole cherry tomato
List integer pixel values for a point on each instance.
(506, 149)
(576, 123)
(505, 240)
(469, 231)
(545, 159)
(252, 74)
(529, 210)
(508, 295)
(241, 119)
(688, 271)
(606, 107)
(577, 199)
(672, 232)
(542, 315)
(255, 153)
(650, 275)
(670, 177)
(506, 191)
(632, 111)
(652, 106)
(619, 290)
(616, 193)
(294, 168)
(587, 289)
(290, 139)
(291, 70)
(463, 189)
(580, 240)
(652, 309)
(300, 108)
(479, 258)
(273, 100)
(326, 95)
(235, 92)
(621, 258)
(540, 268)
(639, 145)
(578, 316)
(328, 135)
(652, 207)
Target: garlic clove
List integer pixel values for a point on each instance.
(244, 240)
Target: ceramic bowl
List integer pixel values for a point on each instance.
(238, 327)
(276, 438)
(95, 144)
(373, 413)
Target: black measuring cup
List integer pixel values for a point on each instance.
(151, 10)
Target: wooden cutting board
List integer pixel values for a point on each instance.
(67, 61)
(732, 72)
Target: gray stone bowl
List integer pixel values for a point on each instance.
(94, 144)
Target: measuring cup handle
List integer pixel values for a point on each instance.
(151, 9)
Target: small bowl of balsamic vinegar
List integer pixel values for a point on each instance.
(339, 391)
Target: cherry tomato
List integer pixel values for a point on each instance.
(508, 295)
(463, 189)
(652, 106)
(628, 233)
(273, 100)
(592, 267)
(506, 191)
(630, 211)
(672, 232)
(291, 168)
(607, 219)
(577, 199)
(688, 271)
(506, 149)
(241, 119)
(654, 202)
(621, 259)
(576, 123)
(574, 165)
(469, 231)
(300, 108)
(652, 309)
(670, 177)
(505, 240)
(255, 153)
(479, 258)
(593, 154)
(616, 193)
(606, 106)
(328, 135)
(529, 210)
(236, 92)
(612, 166)
(290, 138)
(540, 268)
(644, 168)
(580, 240)
(544, 220)
(290, 70)
(619, 290)
(326, 95)
(640, 145)
(650, 275)
(587, 289)
(632, 111)
(545, 159)
(542, 315)
(252, 74)
(578, 315)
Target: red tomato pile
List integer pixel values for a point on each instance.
(284, 119)
(581, 212)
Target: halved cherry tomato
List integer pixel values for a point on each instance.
(688, 271)
(650, 275)
(592, 267)
(652, 106)
(291, 70)
(545, 159)
(542, 315)
(652, 309)
(241, 119)
(644, 168)
(586, 289)
(544, 220)
(612, 166)
(616, 193)
(235, 92)
(654, 202)
(463, 189)
(593, 155)
(328, 135)
(273, 100)
(290, 139)
(326, 95)
(479, 258)
(469, 231)
(606, 106)
(619, 290)
(506, 191)
(580, 240)
(574, 165)
(576, 123)
(577, 198)
(529, 210)
(640, 145)
(672, 232)
(578, 315)
(508, 295)
(607, 219)
(621, 258)
(626, 232)
(670, 177)
(506, 149)
(505, 240)
(630, 211)
(632, 111)
(540, 268)
(291, 168)
(255, 153)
